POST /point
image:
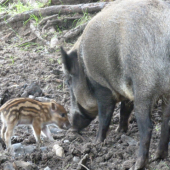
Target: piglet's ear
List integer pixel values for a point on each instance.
(69, 61)
(53, 106)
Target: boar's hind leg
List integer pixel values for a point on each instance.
(162, 151)
(106, 105)
(125, 111)
(142, 112)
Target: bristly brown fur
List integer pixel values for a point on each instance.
(21, 111)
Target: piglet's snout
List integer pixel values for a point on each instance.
(67, 126)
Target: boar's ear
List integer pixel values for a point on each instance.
(69, 61)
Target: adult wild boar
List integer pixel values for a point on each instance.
(123, 54)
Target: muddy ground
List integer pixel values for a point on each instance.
(21, 66)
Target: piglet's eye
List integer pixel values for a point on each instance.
(63, 114)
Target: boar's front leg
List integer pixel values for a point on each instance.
(106, 105)
(125, 111)
(162, 151)
(142, 108)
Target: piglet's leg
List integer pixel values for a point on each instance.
(3, 130)
(8, 134)
(47, 132)
(37, 131)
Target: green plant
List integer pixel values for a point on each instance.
(19, 7)
(2, 8)
(5, 2)
(59, 30)
(59, 60)
(51, 60)
(157, 128)
(59, 86)
(12, 59)
(33, 17)
(86, 17)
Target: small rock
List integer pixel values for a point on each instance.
(47, 168)
(58, 150)
(2, 144)
(128, 164)
(25, 165)
(33, 89)
(8, 166)
(129, 140)
(55, 130)
(43, 149)
(43, 99)
(3, 158)
(54, 42)
(66, 141)
(20, 149)
(30, 96)
(76, 159)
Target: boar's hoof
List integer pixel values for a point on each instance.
(140, 163)
(99, 139)
(161, 154)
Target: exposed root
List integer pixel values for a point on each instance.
(72, 33)
(38, 34)
(83, 162)
(59, 9)
(59, 21)
(27, 41)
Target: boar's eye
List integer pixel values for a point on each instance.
(62, 114)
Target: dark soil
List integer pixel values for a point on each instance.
(21, 67)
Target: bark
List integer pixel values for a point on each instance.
(52, 10)
(73, 33)
(69, 2)
(60, 21)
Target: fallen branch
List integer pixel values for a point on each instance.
(83, 162)
(44, 20)
(36, 32)
(59, 9)
(60, 21)
(27, 41)
(73, 33)
(3, 1)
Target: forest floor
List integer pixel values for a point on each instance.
(20, 66)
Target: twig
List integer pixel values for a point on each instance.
(74, 32)
(59, 21)
(84, 166)
(30, 40)
(44, 20)
(83, 161)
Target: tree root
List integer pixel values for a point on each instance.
(73, 33)
(52, 10)
(60, 21)
(36, 32)
(81, 164)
